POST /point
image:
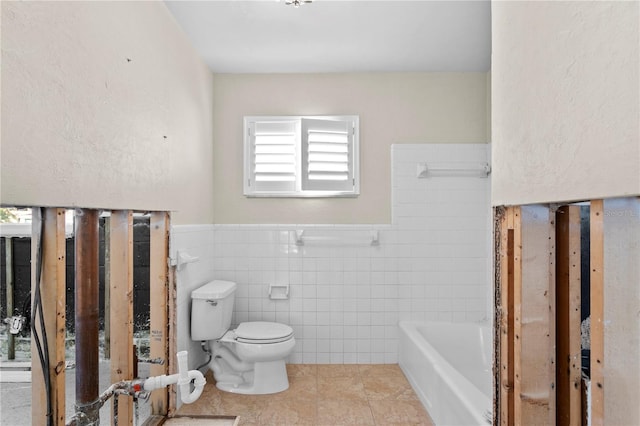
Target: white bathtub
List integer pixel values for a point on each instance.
(449, 366)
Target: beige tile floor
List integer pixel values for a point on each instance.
(323, 395)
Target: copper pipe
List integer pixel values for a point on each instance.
(86, 312)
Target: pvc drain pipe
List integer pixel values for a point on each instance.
(182, 379)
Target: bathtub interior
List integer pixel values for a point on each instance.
(456, 393)
(466, 347)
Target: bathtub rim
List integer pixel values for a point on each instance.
(471, 402)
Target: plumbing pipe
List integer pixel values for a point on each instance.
(186, 395)
(183, 369)
(182, 379)
(137, 387)
(205, 348)
(80, 417)
(86, 313)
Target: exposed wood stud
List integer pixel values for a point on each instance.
(568, 279)
(551, 327)
(507, 335)
(121, 307)
(53, 298)
(597, 312)
(53, 290)
(107, 288)
(498, 219)
(517, 314)
(173, 344)
(158, 283)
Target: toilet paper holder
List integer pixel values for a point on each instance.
(278, 291)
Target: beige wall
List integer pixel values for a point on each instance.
(104, 105)
(393, 108)
(565, 101)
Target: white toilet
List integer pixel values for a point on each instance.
(248, 360)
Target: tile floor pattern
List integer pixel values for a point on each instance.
(327, 394)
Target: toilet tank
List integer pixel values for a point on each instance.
(211, 309)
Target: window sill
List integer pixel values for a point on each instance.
(309, 194)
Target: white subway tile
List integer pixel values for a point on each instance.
(350, 345)
(351, 358)
(323, 318)
(337, 358)
(323, 358)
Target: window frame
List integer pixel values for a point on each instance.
(251, 188)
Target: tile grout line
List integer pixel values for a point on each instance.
(317, 419)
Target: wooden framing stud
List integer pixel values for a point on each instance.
(509, 274)
(173, 344)
(49, 222)
(503, 378)
(121, 307)
(107, 288)
(597, 312)
(158, 305)
(551, 326)
(516, 285)
(568, 298)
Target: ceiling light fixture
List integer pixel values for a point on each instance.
(297, 3)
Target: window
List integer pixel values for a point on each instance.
(293, 156)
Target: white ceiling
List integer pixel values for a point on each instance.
(267, 36)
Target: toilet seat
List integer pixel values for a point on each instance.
(262, 332)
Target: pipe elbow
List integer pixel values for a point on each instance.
(186, 395)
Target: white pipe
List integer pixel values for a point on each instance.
(186, 395)
(183, 368)
(183, 379)
(159, 382)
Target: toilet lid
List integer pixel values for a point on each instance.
(263, 332)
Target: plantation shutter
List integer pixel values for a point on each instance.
(328, 154)
(274, 155)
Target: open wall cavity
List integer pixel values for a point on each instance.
(567, 297)
(49, 306)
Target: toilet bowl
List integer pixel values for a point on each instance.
(249, 359)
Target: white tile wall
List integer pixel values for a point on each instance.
(346, 296)
(197, 241)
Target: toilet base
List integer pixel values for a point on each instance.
(265, 378)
